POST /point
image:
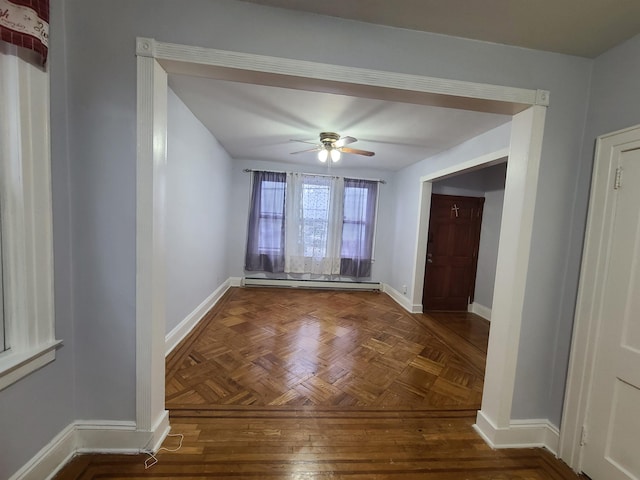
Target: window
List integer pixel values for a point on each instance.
(25, 202)
(315, 218)
(271, 217)
(328, 225)
(358, 229)
(265, 239)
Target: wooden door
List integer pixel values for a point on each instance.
(612, 439)
(452, 252)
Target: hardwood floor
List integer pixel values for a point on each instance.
(325, 385)
(324, 348)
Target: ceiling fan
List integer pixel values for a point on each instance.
(332, 145)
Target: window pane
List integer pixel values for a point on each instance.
(355, 203)
(315, 219)
(270, 236)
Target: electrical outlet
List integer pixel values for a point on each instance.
(404, 289)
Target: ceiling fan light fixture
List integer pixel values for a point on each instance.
(335, 155)
(323, 155)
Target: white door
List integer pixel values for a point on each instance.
(612, 440)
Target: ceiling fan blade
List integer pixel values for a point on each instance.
(356, 151)
(308, 150)
(345, 141)
(303, 141)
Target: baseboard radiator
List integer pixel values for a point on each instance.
(313, 284)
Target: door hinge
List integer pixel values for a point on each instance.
(583, 436)
(617, 183)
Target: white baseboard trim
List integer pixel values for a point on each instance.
(93, 436)
(400, 299)
(50, 459)
(180, 331)
(519, 433)
(478, 309)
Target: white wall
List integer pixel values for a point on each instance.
(239, 211)
(197, 207)
(94, 183)
(493, 182)
(614, 103)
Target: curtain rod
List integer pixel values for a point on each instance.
(379, 180)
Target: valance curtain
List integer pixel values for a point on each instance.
(265, 238)
(25, 23)
(314, 211)
(360, 201)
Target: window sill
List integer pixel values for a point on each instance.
(14, 366)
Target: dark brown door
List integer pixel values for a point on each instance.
(452, 252)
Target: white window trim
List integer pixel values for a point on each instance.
(25, 176)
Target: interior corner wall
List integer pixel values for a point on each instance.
(239, 211)
(408, 196)
(197, 212)
(40, 405)
(488, 250)
(101, 81)
(614, 104)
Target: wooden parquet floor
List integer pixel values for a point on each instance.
(326, 386)
(261, 347)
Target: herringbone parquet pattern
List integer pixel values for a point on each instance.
(263, 347)
(284, 385)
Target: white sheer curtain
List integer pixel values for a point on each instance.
(314, 212)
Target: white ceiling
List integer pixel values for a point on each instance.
(259, 122)
(577, 27)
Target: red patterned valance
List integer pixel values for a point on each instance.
(26, 23)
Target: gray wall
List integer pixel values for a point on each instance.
(239, 211)
(38, 407)
(408, 197)
(95, 171)
(487, 183)
(614, 103)
(102, 125)
(197, 207)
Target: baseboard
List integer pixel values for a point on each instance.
(478, 309)
(51, 458)
(92, 437)
(400, 299)
(180, 331)
(314, 284)
(519, 433)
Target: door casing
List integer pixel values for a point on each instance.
(587, 321)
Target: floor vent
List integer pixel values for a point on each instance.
(316, 284)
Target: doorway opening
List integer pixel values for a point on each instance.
(528, 107)
(466, 274)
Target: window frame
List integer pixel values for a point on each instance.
(263, 216)
(374, 224)
(25, 200)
